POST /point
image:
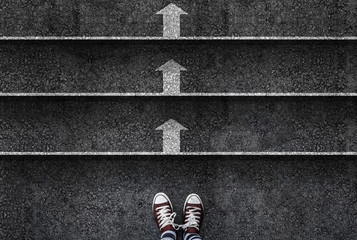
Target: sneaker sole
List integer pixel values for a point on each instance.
(163, 194)
(188, 197)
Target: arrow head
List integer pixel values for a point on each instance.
(171, 125)
(171, 9)
(170, 66)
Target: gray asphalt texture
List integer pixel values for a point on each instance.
(205, 18)
(245, 197)
(326, 124)
(212, 67)
(266, 197)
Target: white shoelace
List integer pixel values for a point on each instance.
(192, 218)
(166, 218)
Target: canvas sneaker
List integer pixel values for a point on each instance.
(193, 214)
(163, 213)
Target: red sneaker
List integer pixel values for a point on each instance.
(163, 213)
(193, 213)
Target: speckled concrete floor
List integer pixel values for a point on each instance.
(245, 197)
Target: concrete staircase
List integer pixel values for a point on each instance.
(256, 103)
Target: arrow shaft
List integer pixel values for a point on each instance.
(171, 82)
(171, 142)
(172, 26)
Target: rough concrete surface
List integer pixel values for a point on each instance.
(219, 67)
(82, 197)
(214, 124)
(205, 18)
(245, 198)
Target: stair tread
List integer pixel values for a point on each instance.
(212, 67)
(214, 124)
(215, 18)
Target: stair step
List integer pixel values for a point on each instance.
(213, 18)
(213, 124)
(245, 198)
(211, 67)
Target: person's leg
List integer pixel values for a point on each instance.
(168, 235)
(193, 213)
(164, 216)
(191, 236)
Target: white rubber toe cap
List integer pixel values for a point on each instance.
(194, 200)
(160, 199)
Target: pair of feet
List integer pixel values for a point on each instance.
(165, 216)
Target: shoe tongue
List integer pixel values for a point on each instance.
(168, 228)
(189, 207)
(162, 205)
(194, 205)
(191, 230)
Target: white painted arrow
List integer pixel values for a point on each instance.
(171, 15)
(171, 77)
(171, 136)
